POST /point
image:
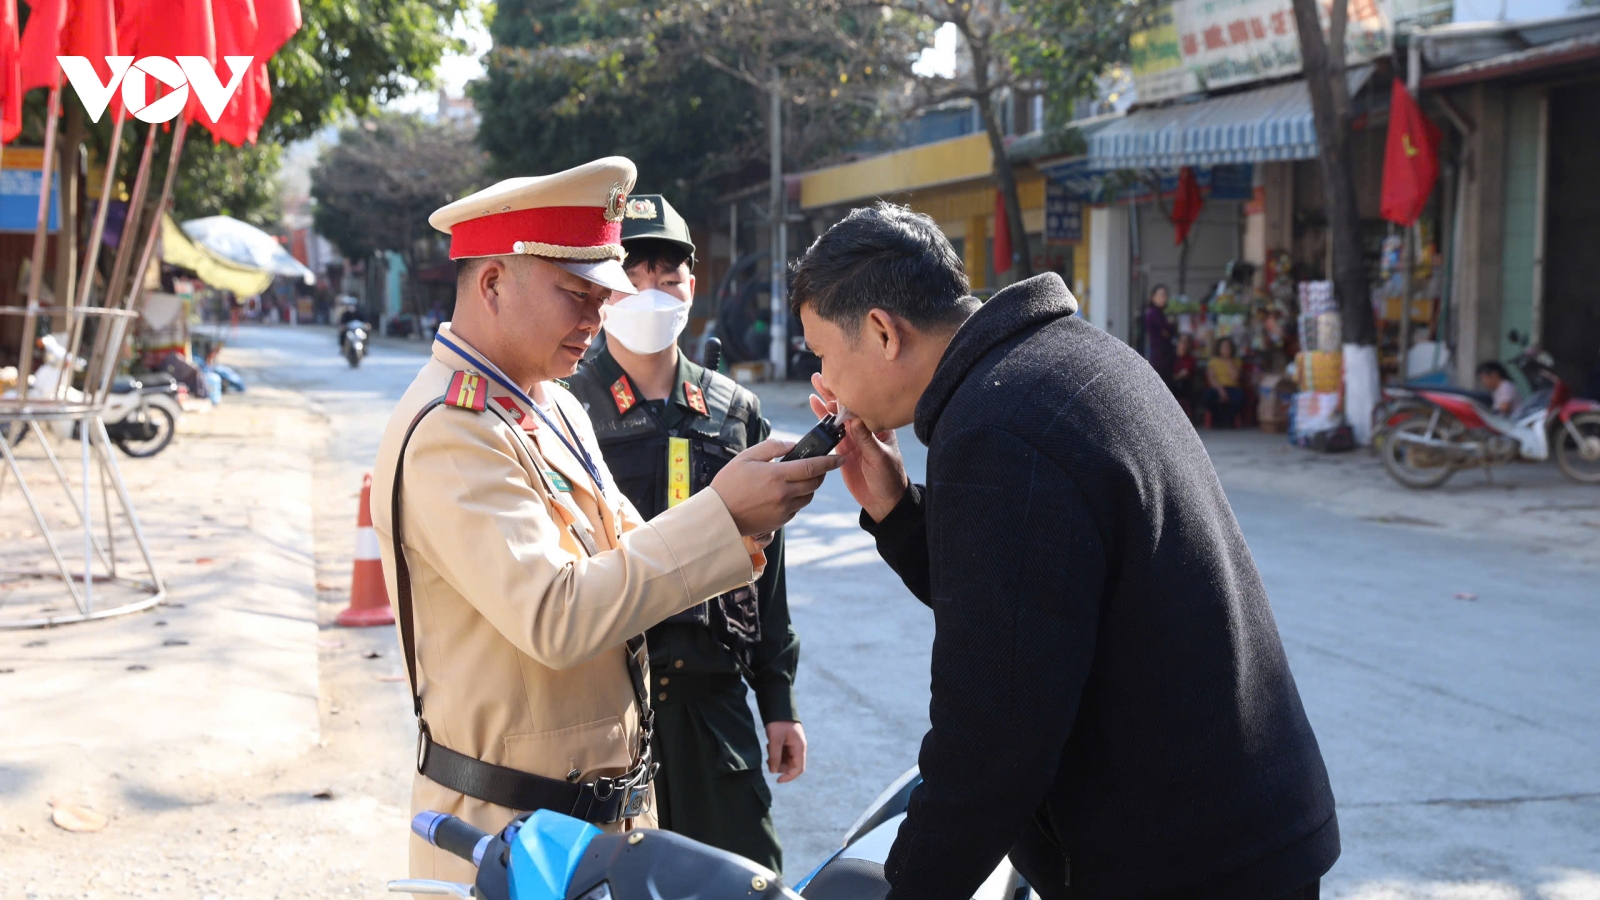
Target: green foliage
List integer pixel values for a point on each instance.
(678, 86)
(351, 56)
(376, 188)
(219, 180)
(567, 83)
(1068, 44)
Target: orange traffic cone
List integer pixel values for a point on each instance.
(369, 597)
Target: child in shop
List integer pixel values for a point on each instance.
(1497, 381)
(1183, 370)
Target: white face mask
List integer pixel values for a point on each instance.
(647, 322)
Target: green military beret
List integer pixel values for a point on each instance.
(650, 216)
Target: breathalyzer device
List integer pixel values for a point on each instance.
(820, 440)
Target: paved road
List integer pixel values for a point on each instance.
(1452, 682)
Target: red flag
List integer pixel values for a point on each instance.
(237, 30)
(1411, 159)
(10, 73)
(1002, 234)
(1186, 206)
(41, 44)
(170, 28)
(275, 22)
(91, 32)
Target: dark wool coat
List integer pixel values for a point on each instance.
(1111, 704)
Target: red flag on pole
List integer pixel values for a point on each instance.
(10, 73)
(1410, 160)
(1002, 234)
(91, 32)
(272, 23)
(41, 44)
(237, 30)
(1186, 206)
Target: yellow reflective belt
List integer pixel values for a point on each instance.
(677, 471)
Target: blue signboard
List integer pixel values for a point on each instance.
(1063, 215)
(19, 200)
(1076, 180)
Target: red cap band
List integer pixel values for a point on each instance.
(563, 226)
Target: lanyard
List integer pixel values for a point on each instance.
(578, 451)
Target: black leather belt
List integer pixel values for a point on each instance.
(602, 801)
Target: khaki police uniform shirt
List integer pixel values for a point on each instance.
(520, 633)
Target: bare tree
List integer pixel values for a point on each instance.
(1324, 67)
(1056, 46)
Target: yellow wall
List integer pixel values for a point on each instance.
(958, 159)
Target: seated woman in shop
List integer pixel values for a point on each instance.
(1183, 372)
(1224, 388)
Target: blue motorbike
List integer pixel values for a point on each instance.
(548, 856)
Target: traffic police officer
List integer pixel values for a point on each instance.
(666, 427)
(522, 578)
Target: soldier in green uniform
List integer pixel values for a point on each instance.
(665, 427)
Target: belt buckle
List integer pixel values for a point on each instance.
(634, 806)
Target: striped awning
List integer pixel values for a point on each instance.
(1263, 125)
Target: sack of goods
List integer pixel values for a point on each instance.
(1320, 371)
(1316, 298)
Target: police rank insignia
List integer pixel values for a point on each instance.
(517, 415)
(622, 393)
(697, 400)
(640, 208)
(467, 391)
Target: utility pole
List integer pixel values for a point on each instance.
(778, 352)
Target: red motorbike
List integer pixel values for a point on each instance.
(1435, 431)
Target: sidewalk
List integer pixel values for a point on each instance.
(1532, 504)
(177, 721)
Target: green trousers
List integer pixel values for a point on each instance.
(710, 786)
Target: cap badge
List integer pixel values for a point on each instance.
(614, 203)
(641, 208)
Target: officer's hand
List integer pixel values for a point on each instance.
(873, 469)
(786, 750)
(762, 494)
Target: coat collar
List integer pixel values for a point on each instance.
(1020, 307)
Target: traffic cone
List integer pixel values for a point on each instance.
(369, 597)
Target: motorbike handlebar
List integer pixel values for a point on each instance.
(451, 835)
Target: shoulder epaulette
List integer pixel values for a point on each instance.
(467, 391)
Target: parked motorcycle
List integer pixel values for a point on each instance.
(1430, 433)
(142, 413)
(353, 342)
(548, 856)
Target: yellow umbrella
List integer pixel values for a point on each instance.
(223, 274)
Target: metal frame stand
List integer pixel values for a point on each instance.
(31, 413)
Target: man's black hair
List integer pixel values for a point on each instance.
(466, 267)
(1485, 368)
(883, 257)
(656, 255)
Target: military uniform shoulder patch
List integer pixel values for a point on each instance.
(467, 391)
(697, 400)
(622, 393)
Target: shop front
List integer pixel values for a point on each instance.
(1257, 234)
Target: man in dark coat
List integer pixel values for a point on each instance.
(1111, 704)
